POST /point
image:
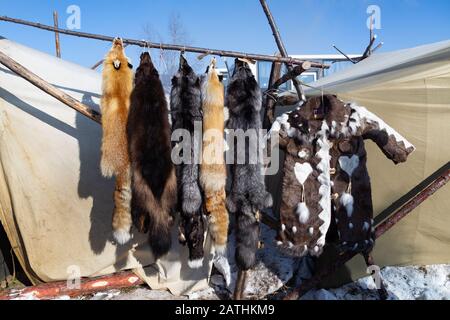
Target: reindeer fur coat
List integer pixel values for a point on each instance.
(326, 182)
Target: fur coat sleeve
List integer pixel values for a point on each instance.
(352, 199)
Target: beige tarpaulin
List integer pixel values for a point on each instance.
(410, 90)
(54, 204)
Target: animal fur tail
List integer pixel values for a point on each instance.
(213, 169)
(117, 84)
(218, 219)
(247, 240)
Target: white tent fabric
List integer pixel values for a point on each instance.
(54, 204)
(410, 90)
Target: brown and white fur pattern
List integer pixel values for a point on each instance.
(324, 142)
(117, 85)
(213, 173)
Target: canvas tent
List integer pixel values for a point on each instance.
(410, 90)
(54, 205)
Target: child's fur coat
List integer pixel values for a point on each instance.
(186, 110)
(117, 85)
(248, 195)
(326, 187)
(154, 186)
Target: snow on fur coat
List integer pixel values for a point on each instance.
(186, 111)
(325, 164)
(248, 193)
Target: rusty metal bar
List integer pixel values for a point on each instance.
(86, 287)
(420, 197)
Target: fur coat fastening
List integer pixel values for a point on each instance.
(154, 185)
(213, 173)
(186, 111)
(117, 84)
(325, 179)
(248, 195)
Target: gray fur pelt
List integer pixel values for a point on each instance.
(185, 108)
(248, 195)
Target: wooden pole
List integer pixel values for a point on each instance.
(172, 47)
(48, 88)
(240, 285)
(58, 47)
(292, 74)
(270, 100)
(281, 47)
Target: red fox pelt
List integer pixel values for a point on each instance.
(213, 169)
(154, 184)
(117, 85)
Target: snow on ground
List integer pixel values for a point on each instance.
(402, 283)
(274, 270)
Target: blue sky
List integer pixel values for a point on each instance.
(307, 26)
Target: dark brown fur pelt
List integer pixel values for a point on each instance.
(154, 187)
(186, 110)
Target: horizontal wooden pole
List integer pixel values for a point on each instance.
(48, 88)
(172, 47)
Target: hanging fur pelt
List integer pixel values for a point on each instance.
(186, 110)
(154, 187)
(117, 85)
(213, 173)
(248, 195)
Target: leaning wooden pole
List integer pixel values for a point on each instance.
(48, 88)
(385, 226)
(281, 47)
(57, 43)
(172, 47)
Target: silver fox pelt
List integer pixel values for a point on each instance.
(248, 195)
